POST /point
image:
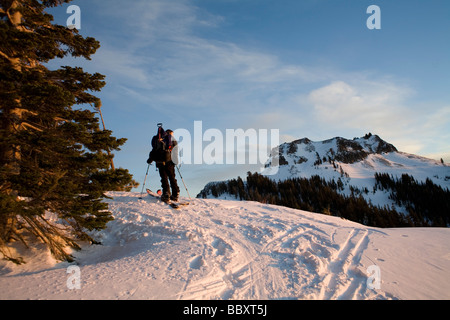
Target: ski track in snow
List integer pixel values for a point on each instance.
(216, 249)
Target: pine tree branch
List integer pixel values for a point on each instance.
(16, 17)
(29, 125)
(50, 236)
(4, 55)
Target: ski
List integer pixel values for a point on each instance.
(153, 194)
(178, 205)
(175, 205)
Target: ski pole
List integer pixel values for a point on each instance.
(183, 183)
(143, 186)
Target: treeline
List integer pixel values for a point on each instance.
(424, 201)
(316, 194)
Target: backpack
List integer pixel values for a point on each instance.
(160, 152)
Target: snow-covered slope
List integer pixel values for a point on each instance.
(218, 249)
(355, 162)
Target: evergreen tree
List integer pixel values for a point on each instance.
(54, 156)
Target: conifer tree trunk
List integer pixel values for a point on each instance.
(12, 155)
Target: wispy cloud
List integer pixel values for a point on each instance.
(156, 55)
(384, 108)
(174, 65)
(368, 104)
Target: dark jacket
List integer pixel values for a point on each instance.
(164, 148)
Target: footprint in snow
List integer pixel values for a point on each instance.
(197, 262)
(221, 246)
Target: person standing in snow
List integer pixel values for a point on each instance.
(164, 154)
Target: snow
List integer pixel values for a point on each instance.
(359, 174)
(394, 163)
(222, 249)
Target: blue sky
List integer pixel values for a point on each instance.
(309, 68)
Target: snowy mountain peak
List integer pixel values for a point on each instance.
(358, 158)
(353, 164)
(336, 149)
